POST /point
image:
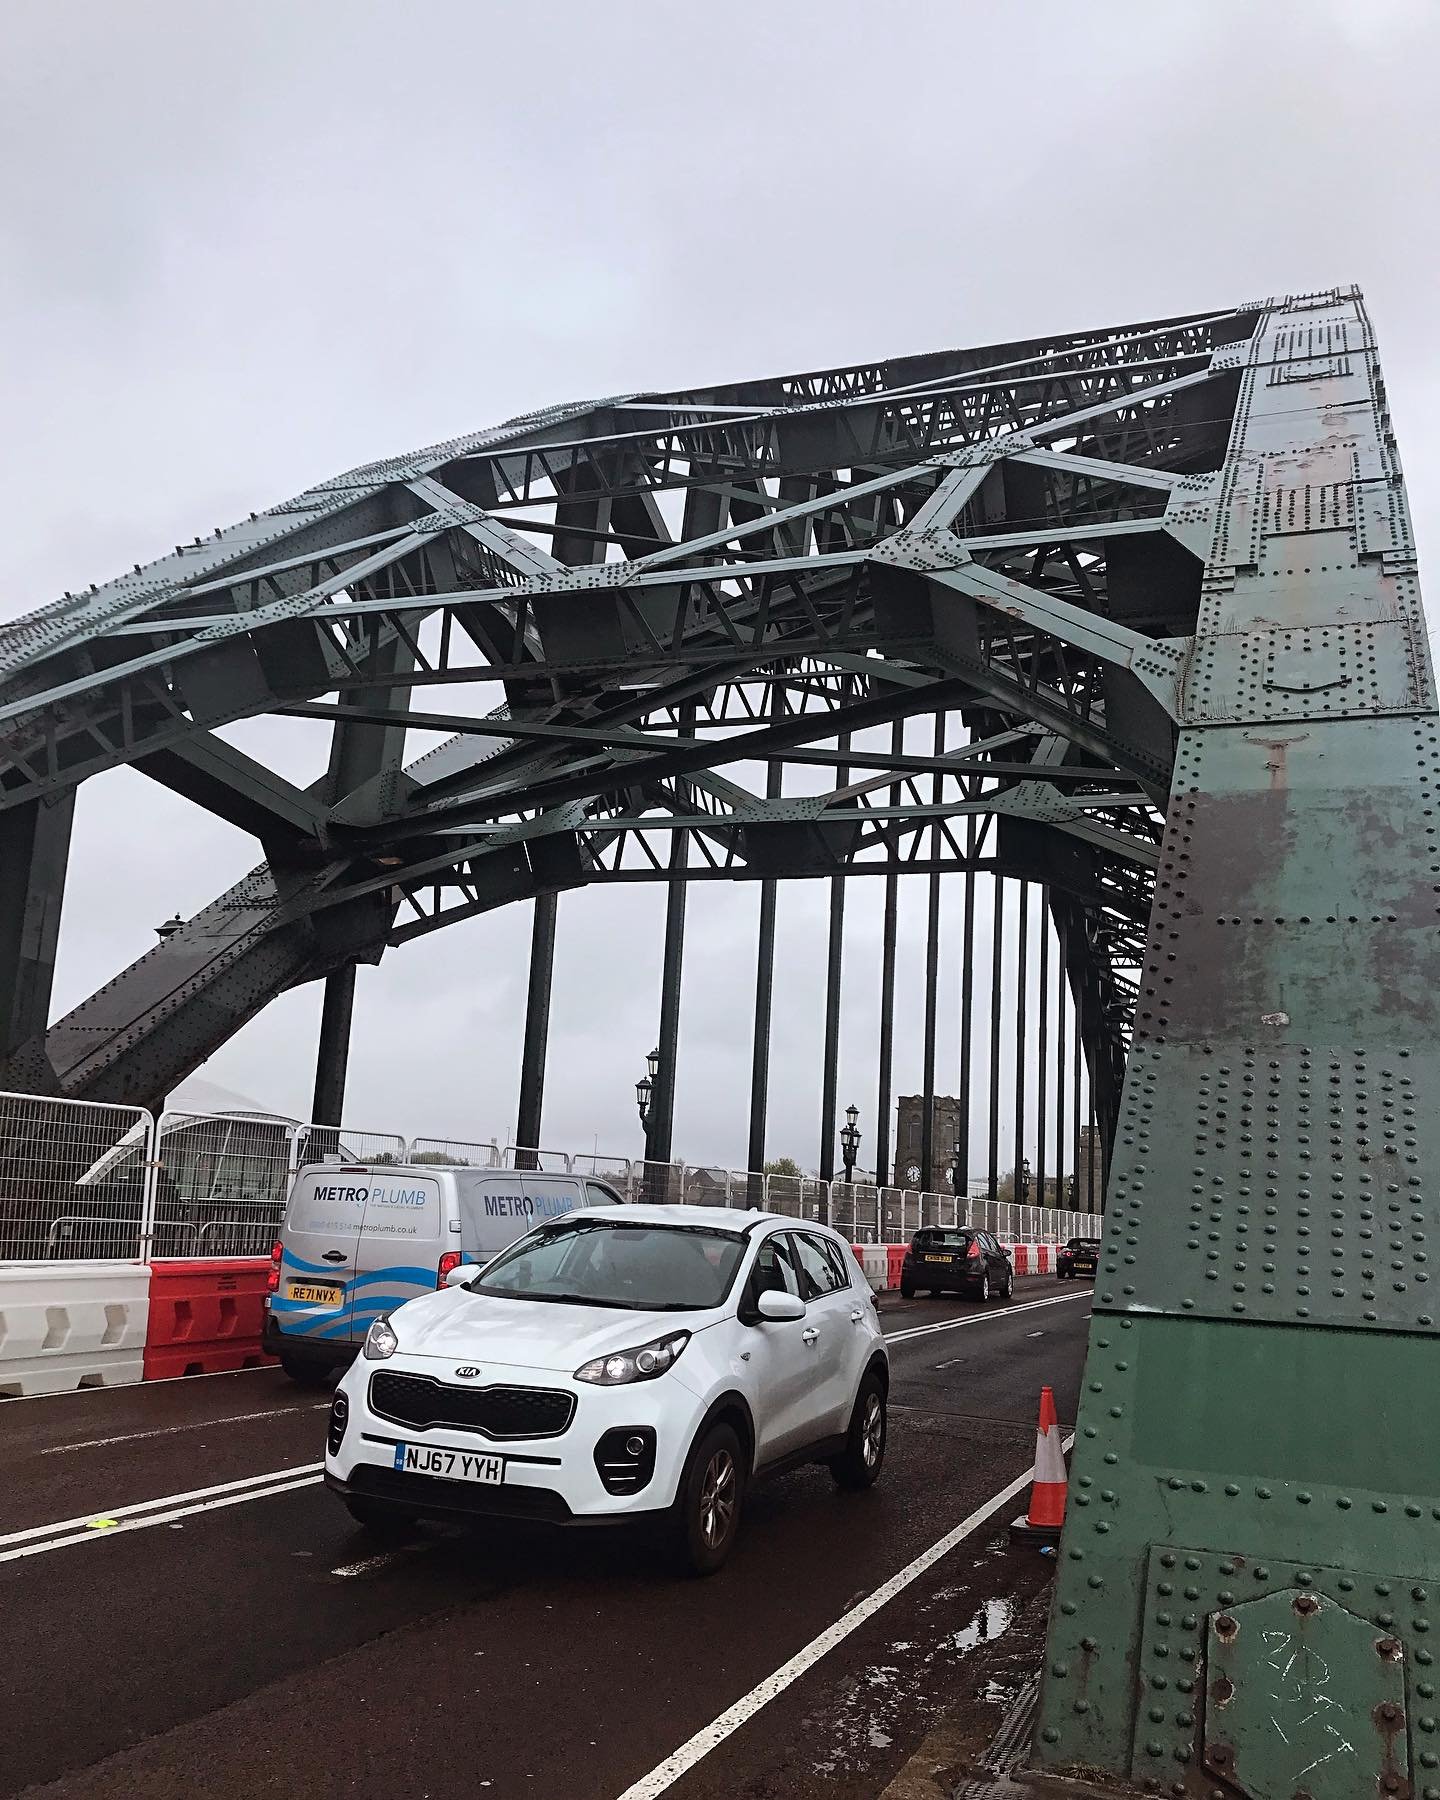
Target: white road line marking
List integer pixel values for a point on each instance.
(667, 1773)
(130, 1437)
(161, 1518)
(369, 1563)
(990, 1318)
(1034, 1334)
(310, 1470)
(383, 1559)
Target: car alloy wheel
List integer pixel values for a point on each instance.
(717, 1499)
(985, 1285)
(872, 1430)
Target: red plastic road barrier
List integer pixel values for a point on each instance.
(895, 1257)
(1020, 1258)
(205, 1316)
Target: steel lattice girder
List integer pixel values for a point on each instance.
(1258, 1417)
(666, 589)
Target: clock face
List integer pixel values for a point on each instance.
(912, 1172)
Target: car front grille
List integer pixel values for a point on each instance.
(421, 1401)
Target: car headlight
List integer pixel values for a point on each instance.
(641, 1364)
(380, 1340)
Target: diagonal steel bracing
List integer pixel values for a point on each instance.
(661, 593)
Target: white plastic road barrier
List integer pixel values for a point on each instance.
(875, 1264)
(72, 1325)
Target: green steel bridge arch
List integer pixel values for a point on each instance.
(1163, 575)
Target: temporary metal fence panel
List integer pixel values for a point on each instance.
(220, 1183)
(80, 1180)
(747, 1189)
(221, 1180)
(657, 1183)
(705, 1185)
(547, 1162)
(615, 1169)
(785, 1194)
(459, 1153)
(73, 1179)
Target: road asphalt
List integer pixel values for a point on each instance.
(252, 1641)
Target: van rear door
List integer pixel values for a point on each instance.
(319, 1241)
(493, 1211)
(550, 1196)
(400, 1245)
(497, 1206)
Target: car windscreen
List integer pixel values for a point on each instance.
(594, 1262)
(942, 1240)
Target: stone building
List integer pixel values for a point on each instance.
(909, 1126)
(1090, 1158)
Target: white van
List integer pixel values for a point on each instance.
(359, 1239)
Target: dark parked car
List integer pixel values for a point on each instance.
(1081, 1256)
(962, 1261)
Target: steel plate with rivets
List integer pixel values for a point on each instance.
(1263, 1382)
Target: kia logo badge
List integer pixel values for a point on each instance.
(468, 1372)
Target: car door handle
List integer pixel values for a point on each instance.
(333, 1256)
(809, 1335)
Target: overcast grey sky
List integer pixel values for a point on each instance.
(245, 247)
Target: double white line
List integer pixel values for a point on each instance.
(93, 1527)
(986, 1318)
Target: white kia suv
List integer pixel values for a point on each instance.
(620, 1363)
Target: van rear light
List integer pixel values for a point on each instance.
(452, 1259)
(974, 1251)
(272, 1280)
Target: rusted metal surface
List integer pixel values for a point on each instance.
(1258, 1452)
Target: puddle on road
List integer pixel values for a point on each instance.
(876, 1699)
(992, 1619)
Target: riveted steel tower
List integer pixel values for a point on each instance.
(1247, 1597)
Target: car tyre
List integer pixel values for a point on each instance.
(380, 1520)
(303, 1370)
(985, 1288)
(860, 1462)
(707, 1506)
(1008, 1291)
(907, 1289)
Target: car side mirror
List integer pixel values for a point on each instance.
(461, 1275)
(777, 1306)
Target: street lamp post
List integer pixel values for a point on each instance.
(645, 1086)
(850, 1141)
(957, 1150)
(644, 1090)
(1022, 1181)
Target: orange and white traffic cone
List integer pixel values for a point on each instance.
(1046, 1512)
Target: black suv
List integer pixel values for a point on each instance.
(1081, 1256)
(963, 1261)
